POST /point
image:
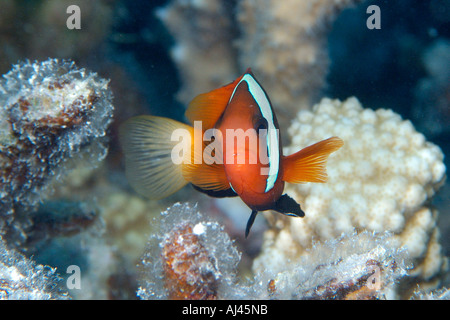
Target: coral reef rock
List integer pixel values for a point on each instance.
(193, 258)
(190, 258)
(50, 112)
(441, 294)
(381, 180)
(204, 50)
(363, 266)
(22, 279)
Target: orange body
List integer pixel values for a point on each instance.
(246, 179)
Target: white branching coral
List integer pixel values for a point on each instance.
(379, 181)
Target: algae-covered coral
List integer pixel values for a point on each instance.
(354, 266)
(50, 112)
(192, 258)
(189, 258)
(23, 279)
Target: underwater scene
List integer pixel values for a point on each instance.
(224, 150)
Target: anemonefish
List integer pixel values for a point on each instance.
(163, 155)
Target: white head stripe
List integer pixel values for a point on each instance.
(272, 133)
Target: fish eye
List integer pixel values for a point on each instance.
(261, 124)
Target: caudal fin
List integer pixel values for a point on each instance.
(308, 164)
(147, 145)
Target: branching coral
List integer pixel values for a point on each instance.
(380, 180)
(204, 49)
(190, 258)
(127, 218)
(284, 42)
(50, 112)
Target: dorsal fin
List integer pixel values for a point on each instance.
(208, 107)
